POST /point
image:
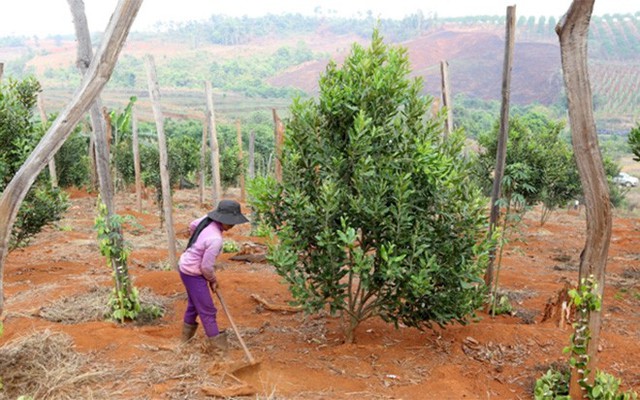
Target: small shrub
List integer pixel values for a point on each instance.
(502, 306)
(554, 385)
(230, 246)
(124, 302)
(42, 206)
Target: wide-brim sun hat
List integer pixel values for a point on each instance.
(228, 213)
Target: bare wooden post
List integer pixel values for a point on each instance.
(573, 31)
(52, 164)
(240, 160)
(279, 137)
(94, 80)
(215, 152)
(203, 155)
(136, 158)
(109, 136)
(93, 167)
(252, 156)
(446, 97)
(501, 155)
(167, 204)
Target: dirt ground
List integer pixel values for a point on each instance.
(304, 357)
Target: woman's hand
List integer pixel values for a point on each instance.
(214, 286)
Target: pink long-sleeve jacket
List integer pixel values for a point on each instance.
(199, 259)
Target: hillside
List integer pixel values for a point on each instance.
(263, 62)
(475, 64)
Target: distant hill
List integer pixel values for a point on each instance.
(256, 61)
(475, 60)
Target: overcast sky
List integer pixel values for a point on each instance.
(44, 17)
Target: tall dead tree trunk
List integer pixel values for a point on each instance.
(94, 80)
(167, 203)
(103, 164)
(213, 142)
(279, 138)
(135, 144)
(573, 31)
(98, 142)
(1, 71)
(446, 97)
(52, 164)
(240, 160)
(501, 154)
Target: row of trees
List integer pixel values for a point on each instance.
(243, 75)
(540, 164)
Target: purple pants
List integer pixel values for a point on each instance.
(200, 304)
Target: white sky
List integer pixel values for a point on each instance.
(44, 17)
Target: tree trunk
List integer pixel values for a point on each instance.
(52, 164)
(103, 166)
(279, 137)
(215, 153)
(94, 80)
(136, 158)
(167, 204)
(573, 31)
(501, 154)
(446, 97)
(240, 160)
(252, 156)
(1, 71)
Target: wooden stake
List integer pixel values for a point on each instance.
(240, 160)
(167, 204)
(52, 163)
(279, 137)
(501, 155)
(213, 142)
(446, 98)
(203, 159)
(136, 158)
(252, 156)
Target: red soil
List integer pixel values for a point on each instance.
(304, 356)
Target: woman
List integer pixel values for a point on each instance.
(197, 272)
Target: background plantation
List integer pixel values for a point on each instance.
(370, 209)
(256, 63)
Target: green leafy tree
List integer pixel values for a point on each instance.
(376, 214)
(19, 135)
(540, 166)
(72, 160)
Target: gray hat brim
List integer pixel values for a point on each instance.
(228, 219)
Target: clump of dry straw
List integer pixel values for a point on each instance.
(43, 365)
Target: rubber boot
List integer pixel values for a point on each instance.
(188, 331)
(217, 346)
